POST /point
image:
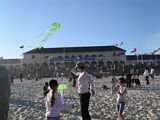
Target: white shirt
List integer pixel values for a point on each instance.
(152, 72)
(122, 98)
(54, 111)
(85, 82)
(146, 73)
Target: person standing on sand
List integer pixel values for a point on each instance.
(85, 86)
(53, 102)
(12, 79)
(129, 80)
(146, 75)
(45, 89)
(21, 76)
(121, 98)
(113, 85)
(5, 91)
(152, 73)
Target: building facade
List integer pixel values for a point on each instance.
(70, 55)
(109, 58)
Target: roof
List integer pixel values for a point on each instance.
(142, 57)
(10, 61)
(75, 49)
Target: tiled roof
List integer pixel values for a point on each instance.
(10, 61)
(75, 49)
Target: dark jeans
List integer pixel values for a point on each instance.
(74, 82)
(147, 80)
(84, 103)
(4, 108)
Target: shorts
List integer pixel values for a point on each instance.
(120, 107)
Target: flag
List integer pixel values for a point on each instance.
(116, 45)
(121, 43)
(134, 50)
(152, 53)
(118, 53)
(157, 49)
(21, 46)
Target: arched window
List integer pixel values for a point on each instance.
(46, 57)
(33, 56)
(100, 55)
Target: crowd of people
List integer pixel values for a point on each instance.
(85, 85)
(97, 70)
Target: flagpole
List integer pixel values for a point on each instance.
(137, 58)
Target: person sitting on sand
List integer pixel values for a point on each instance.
(53, 102)
(121, 98)
(45, 89)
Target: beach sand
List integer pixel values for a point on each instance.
(27, 101)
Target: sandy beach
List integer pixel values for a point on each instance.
(27, 101)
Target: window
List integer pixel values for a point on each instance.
(86, 56)
(46, 57)
(66, 57)
(33, 56)
(59, 56)
(100, 55)
(80, 56)
(93, 55)
(73, 56)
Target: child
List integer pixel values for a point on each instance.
(113, 85)
(12, 80)
(121, 98)
(53, 102)
(45, 89)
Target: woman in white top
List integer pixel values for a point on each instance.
(53, 102)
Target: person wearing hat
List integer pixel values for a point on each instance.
(85, 90)
(5, 90)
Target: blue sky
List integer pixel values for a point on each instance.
(136, 23)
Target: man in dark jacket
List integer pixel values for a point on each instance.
(5, 90)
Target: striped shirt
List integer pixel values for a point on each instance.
(54, 111)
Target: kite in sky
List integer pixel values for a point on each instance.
(152, 53)
(51, 30)
(21, 46)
